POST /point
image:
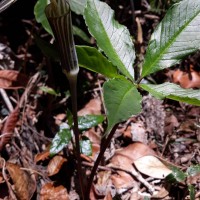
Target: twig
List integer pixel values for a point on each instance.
(6, 100)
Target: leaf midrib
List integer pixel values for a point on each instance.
(110, 44)
(126, 93)
(169, 44)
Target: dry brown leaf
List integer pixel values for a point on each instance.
(108, 196)
(51, 192)
(93, 136)
(1, 178)
(59, 118)
(132, 152)
(193, 179)
(187, 80)
(171, 122)
(93, 107)
(42, 156)
(139, 31)
(24, 185)
(11, 79)
(152, 166)
(187, 126)
(161, 194)
(55, 165)
(125, 157)
(122, 181)
(8, 127)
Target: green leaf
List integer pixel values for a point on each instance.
(78, 6)
(40, 15)
(122, 100)
(86, 146)
(193, 170)
(176, 176)
(191, 191)
(175, 37)
(114, 39)
(49, 90)
(173, 91)
(89, 121)
(77, 31)
(61, 139)
(90, 58)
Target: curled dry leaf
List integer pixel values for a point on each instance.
(55, 165)
(93, 107)
(11, 79)
(152, 166)
(24, 184)
(51, 192)
(8, 127)
(186, 79)
(42, 156)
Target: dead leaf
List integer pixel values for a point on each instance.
(171, 122)
(186, 79)
(152, 166)
(11, 79)
(161, 194)
(123, 181)
(193, 179)
(139, 30)
(8, 127)
(24, 185)
(59, 118)
(51, 192)
(132, 152)
(108, 196)
(42, 156)
(187, 126)
(93, 107)
(93, 136)
(123, 159)
(55, 165)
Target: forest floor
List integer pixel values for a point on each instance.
(164, 135)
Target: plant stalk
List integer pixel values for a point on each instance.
(73, 90)
(99, 158)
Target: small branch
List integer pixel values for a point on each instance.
(6, 99)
